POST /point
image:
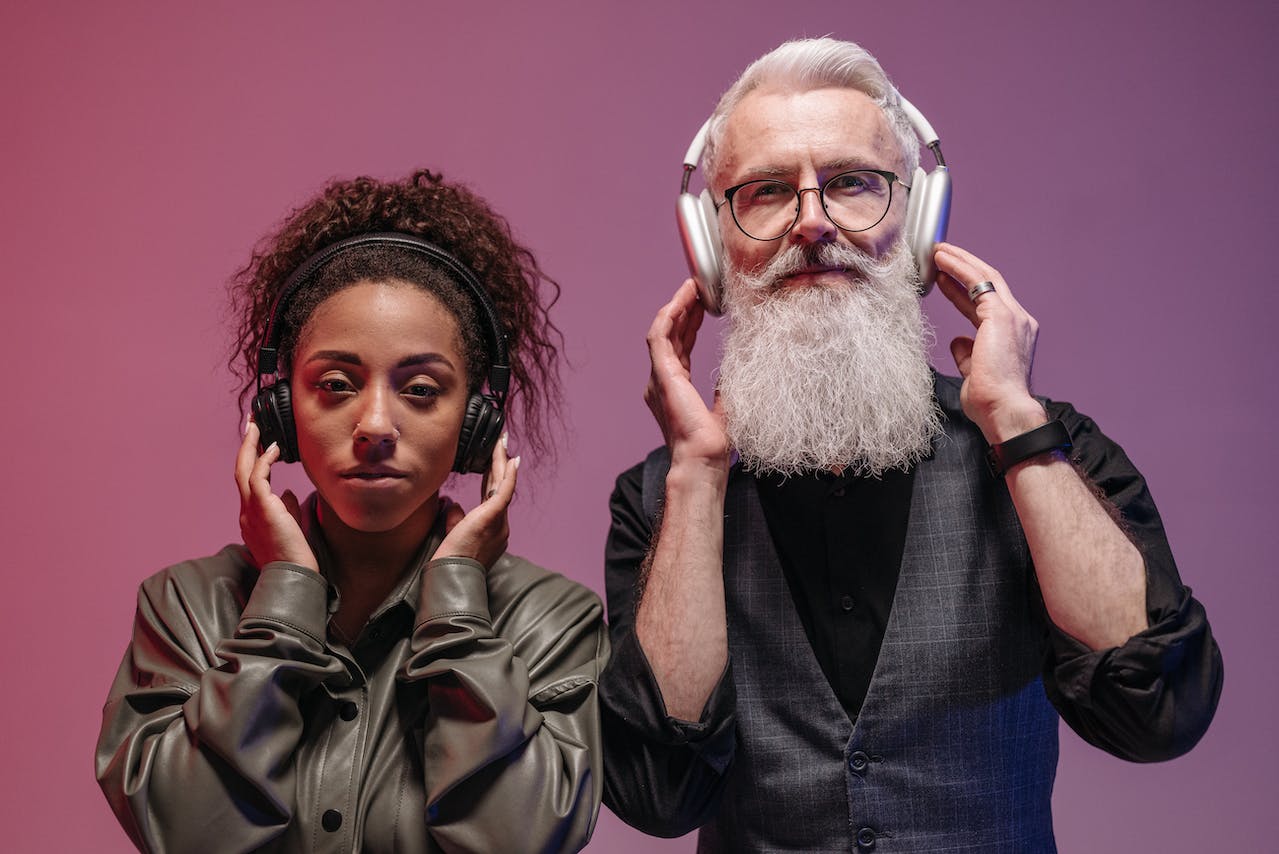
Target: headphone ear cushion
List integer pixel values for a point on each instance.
(481, 428)
(927, 217)
(273, 413)
(699, 232)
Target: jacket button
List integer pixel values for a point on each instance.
(348, 711)
(866, 839)
(847, 602)
(858, 761)
(332, 820)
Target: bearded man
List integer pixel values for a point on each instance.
(856, 634)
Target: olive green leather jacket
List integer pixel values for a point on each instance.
(464, 717)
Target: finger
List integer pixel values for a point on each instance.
(969, 270)
(506, 487)
(659, 331)
(260, 477)
(499, 495)
(957, 294)
(961, 349)
(497, 469)
(688, 333)
(245, 457)
(972, 270)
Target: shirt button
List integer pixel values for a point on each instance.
(866, 839)
(858, 761)
(847, 602)
(838, 492)
(348, 711)
(332, 820)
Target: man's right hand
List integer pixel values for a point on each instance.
(679, 619)
(693, 432)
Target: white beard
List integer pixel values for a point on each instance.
(828, 378)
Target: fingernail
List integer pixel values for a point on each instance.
(244, 431)
(505, 446)
(516, 462)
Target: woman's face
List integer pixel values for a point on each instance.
(379, 390)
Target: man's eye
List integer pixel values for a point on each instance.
(850, 184)
(767, 191)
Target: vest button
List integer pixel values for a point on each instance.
(858, 761)
(847, 602)
(332, 820)
(866, 839)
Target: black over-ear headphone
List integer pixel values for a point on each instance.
(482, 425)
(927, 215)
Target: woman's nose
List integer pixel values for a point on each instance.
(376, 424)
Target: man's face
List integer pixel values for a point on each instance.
(804, 138)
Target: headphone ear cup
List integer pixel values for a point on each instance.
(481, 428)
(699, 232)
(273, 413)
(927, 218)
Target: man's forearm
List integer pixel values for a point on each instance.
(680, 619)
(1092, 577)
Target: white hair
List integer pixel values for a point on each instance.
(803, 65)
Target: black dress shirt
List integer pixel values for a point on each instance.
(840, 542)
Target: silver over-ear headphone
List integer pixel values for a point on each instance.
(927, 215)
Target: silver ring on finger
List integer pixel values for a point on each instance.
(980, 288)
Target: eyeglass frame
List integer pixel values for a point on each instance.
(890, 177)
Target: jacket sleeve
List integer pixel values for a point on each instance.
(198, 735)
(663, 776)
(1153, 697)
(512, 736)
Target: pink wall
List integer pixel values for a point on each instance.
(1113, 159)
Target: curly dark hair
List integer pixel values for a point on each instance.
(447, 215)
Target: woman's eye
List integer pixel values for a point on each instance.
(334, 385)
(422, 390)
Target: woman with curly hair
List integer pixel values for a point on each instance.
(370, 670)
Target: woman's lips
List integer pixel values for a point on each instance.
(373, 477)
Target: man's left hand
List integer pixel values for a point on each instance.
(996, 361)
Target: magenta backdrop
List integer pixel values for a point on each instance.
(1113, 159)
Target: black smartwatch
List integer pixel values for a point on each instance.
(1044, 439)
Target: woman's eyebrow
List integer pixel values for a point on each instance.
(423, 359)
(334, 356)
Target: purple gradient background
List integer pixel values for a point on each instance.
(1114, 160)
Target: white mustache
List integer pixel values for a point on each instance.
(796, 259)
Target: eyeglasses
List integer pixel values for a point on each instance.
(853, 201)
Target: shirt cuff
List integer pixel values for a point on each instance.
(454, 585)
(290, 595)
(630, 690)
(1135, 666)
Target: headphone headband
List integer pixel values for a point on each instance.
(923, 131)
(500, 367)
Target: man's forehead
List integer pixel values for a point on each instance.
(779, 131)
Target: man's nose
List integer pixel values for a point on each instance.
(813, 226)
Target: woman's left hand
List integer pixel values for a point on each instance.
(482, 534)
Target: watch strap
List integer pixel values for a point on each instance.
(1044, 439)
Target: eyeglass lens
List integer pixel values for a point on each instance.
(854, 201)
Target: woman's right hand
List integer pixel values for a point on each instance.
(270, 524)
